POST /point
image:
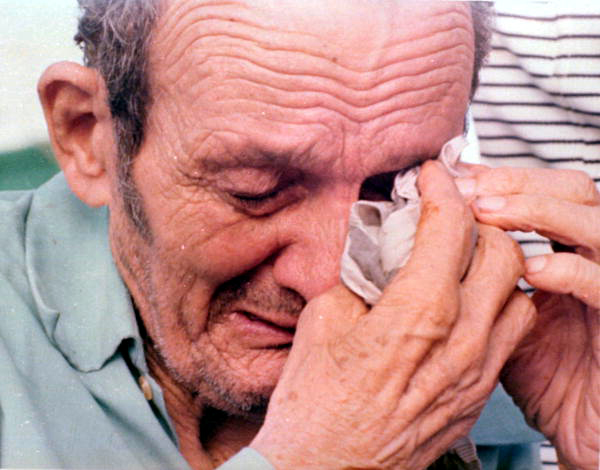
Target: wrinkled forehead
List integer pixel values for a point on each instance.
(341, 26)
(368, 63)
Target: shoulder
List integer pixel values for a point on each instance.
(14, 209)
(24, 243)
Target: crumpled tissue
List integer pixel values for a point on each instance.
(381, 233)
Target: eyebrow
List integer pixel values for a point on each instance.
(256, 157)
(253, 157)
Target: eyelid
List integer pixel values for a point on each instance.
(286, 193)
(255, 198)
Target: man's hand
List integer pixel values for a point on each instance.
(555, 374)
(395, 385)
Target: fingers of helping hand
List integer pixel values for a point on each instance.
(569, 185)
(566, 273)
(564, 221)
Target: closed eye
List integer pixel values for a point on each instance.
(255, 200)
(285, 193)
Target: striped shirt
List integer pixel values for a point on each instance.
(538, 104)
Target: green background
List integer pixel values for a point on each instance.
(26, 168)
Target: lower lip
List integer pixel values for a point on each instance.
(261, 334)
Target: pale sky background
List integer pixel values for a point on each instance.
(33, 35)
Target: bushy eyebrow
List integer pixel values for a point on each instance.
(256, 157)
(301, 162)
(251, 159)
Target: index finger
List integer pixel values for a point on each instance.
(444, 240)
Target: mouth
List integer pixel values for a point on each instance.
(268, 331)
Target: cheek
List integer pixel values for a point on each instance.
(197, 237)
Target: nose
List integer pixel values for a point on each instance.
(313, 238)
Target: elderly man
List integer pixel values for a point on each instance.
(228, 141)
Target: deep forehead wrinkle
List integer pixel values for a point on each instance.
(231, 65)
(322, 68)
(194, 24)
(223, 14)
(357, 88)
(235, 20)
(317, 77)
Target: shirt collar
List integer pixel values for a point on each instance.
(82, 302)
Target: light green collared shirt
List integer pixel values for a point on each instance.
(71, 356)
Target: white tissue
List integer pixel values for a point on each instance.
(381, 234)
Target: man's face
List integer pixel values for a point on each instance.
(269, 118)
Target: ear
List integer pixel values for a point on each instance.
(74, 100)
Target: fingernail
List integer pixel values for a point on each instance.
(490, 203)
(536, 264)
(466, 186)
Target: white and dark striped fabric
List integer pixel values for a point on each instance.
(538, 104)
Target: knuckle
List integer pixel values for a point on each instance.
(452, 207)
(429, 314)
(582, 271)
(501, 242)
(502, 251)
(439, 316)
(527, 313)
(455, 214)
(502, 180)
(587, 187)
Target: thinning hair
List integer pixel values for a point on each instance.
(115, 36)
(482, 14)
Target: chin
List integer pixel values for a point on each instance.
(247, 394)
(236, 399)
(240, 385)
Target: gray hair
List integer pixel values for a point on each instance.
(481, 12)
(115, 35)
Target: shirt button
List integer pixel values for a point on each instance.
(145, 386)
